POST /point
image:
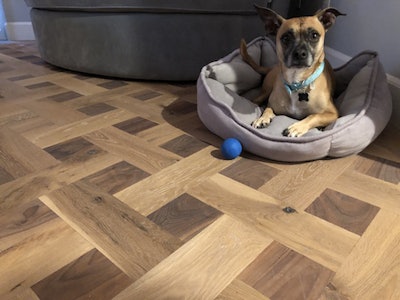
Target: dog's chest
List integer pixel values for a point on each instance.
(297, 107)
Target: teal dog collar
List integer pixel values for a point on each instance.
(297, 86)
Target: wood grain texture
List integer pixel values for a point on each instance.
(96, 215)
(238, 290)
(157, 190)
(300, 184)
(372, 270)
(344, 211)
(134, 150)
(281, 273)
(114, 188)
(19, 157)
(32, 186)
(117, 177)
(76, 129)
(89, 276)
(185, 216)
(135, 125)
(20, 293)
(368, 189)
(249, 172)
(36, 248)
(308, 235)
(204, 266)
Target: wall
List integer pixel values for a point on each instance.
(371, 25)
(18, 21)
(2, 22)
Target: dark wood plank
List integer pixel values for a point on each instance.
(39, 85)
(185, 216)
(281, 273)
(66, 96)
(344, 211)
(112, 84)
(92, 276)
(96, 109)
(184, 145)
(250, 172)
(145, 95)
(135, 125)
(117, 177)
(5, 176)
(77, 147)
(379, 168)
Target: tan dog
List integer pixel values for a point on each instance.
(301, 84)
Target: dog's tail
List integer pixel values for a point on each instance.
(249, 60)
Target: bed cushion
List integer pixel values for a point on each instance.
(362, 97)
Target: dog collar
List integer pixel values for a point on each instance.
(297, 86)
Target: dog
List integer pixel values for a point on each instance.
(301, 84)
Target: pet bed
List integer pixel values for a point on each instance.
(362, 97)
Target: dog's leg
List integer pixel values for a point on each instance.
(265, 118)
(262, 98)
(312, 121)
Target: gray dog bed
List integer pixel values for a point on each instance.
(224, 88)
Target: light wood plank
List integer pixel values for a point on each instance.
(33, 258)
(11, 111)
(51, 111)
(133, 149)
(32, 186)
(82, 127)
(387, 145)
(20, 157)
(313, 237)
(302, 183)
(155, 191)
(160, 134)
(372, 270)
(43, 78)
(79, 86)
(369, 189)
(128, 239)
(20, 293)
(204, 266)
(147, 110)
(238, 290)
(102, 97)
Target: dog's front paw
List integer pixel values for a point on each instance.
(296, 130)
(265, 119)
(261, 122)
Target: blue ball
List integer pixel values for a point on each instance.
(231, 148)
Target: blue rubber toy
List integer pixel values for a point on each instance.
(231, 148)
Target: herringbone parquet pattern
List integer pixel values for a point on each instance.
(114, 189)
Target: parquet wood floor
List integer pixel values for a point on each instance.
(113, 189)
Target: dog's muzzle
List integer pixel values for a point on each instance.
(300, 57)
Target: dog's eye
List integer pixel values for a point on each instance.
(314, 36)
(285, 38)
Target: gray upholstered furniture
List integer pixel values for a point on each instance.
(141, 39)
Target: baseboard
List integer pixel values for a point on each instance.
(19, 31)
(338, 58)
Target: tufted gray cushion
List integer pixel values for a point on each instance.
(363, 100)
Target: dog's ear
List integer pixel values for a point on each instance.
(328, 16)
(270, 18)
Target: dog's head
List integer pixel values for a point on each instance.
(299, 41)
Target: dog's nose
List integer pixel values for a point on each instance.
(300, 53)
